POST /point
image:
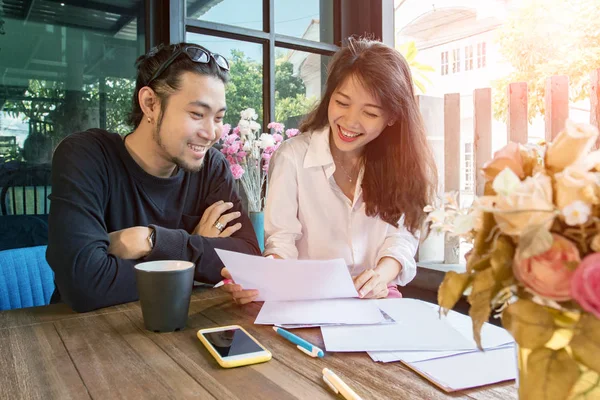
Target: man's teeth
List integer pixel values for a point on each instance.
(348, 133)
(197, 148)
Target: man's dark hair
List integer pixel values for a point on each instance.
(169, 80)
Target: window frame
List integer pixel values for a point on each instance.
(444, 62)
(180, 25)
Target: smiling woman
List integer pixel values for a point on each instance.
(353, 185)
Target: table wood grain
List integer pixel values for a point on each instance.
(52, 352)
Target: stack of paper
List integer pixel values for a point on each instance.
(322, 293)
(301, 292)
(317, 312)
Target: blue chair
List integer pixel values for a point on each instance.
(26, 279)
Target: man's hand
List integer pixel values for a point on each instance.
(130, 243)
(371, 285)
(206, 227)
(239, 295)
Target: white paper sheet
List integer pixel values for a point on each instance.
(417, 327)
(285, 280)
(420, 355)
(332, 311)
(469, 370)
(492, 336)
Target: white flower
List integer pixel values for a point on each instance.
(577, 213)
(436, 217)
(245, 132)
(249, 114)
(255, 126)
(506, 182)
(266, 140)
(464, 223)
(247, 146)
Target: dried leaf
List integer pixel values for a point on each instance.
(480, 264)
(529, 323)
(586, 342)
(484, 289)
(482, 241)
(502, 258)
(535, 241)
(452, 288)
(551, 374)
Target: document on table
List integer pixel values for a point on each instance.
(492, 336)
(315, 312)
(417, 327)
(469, 370)
(285, 280)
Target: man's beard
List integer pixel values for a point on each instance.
(179, 163)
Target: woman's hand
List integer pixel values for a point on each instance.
(371, 285)
(239, 294)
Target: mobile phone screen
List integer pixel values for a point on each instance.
(232, 342)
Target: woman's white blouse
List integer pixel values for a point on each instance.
(307, 216)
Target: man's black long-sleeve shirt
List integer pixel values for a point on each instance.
(98, 188)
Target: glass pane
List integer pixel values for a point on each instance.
(308, 19)
(246, 13)
(64, 68)
(299, 81)
(245, 87)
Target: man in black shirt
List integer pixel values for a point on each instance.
(160, 193)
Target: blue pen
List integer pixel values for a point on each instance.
(302, 344)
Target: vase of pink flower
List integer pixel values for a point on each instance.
(248, 151)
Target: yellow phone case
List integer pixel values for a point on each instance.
(233, 363)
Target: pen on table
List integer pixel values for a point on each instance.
(338, 386)
(223, 282)
(302, 344)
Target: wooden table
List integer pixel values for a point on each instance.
(52, 352)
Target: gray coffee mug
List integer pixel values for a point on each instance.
(165, 288)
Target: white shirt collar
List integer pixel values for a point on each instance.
(318, 153)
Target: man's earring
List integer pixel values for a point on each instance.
(149, 120)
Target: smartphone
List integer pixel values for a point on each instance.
(232, 346)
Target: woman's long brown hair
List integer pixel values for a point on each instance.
(400, 176)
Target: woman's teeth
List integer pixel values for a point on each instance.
(349, 134)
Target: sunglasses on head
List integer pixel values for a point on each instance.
(197, 54)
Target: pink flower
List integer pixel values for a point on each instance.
(225, 130)
(230, 160)
(266, 156)
(278, 138)
(265, 167)
(236, 130)
(237, 171)
(233, 148)
(241, 154)
(292, 132)
(585, 285)
(231, 138)
(547, 274)
(276, 126)
(270, 149)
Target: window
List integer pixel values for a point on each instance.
(468, 58)
(245, 14)
(280, 75)
(309, 19)
(65, 67)
(469, 168)
(481, 61)
(455, 61)
(299, 81)
(444, 63)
